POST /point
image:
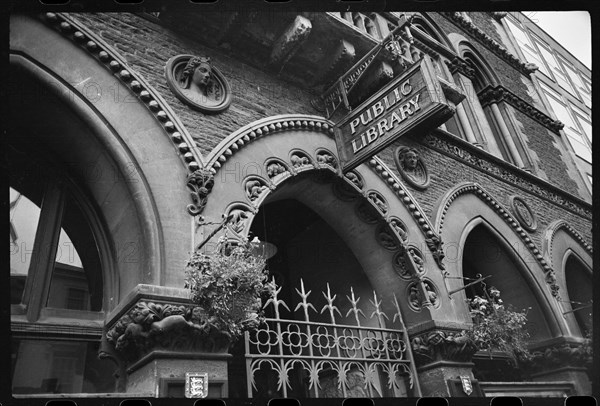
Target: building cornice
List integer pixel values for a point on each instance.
(491, 94)
(450, 145)
(489, 42)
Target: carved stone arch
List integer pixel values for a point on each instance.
(432, 28)
(468, 206)
(151, 165)
(571, 258)
(467, 51)
(311, 134)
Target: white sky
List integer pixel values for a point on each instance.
(572, 29)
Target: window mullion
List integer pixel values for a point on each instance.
(44, 251)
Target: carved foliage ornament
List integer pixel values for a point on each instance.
(200, 183)
(441, 345)
(411, 167)
(198, 83)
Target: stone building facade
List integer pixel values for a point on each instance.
(133, 135)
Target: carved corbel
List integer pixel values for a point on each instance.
(336, 63)
(290, 41)
(200, 183)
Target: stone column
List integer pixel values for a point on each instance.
(159, 335)
(510, 143)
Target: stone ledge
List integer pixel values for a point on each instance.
(161, 354)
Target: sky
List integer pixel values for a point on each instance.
(572, 29)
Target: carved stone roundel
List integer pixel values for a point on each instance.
(198, 83)
(523, 213)
(411, 167)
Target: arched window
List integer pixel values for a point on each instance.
(579, 287)
(486, 122)
(56, 280)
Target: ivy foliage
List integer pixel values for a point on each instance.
(228, 285)
(497, 327)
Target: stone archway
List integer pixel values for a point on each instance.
(571, 258)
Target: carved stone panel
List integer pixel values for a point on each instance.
(198, 83)
(379, 201)
(386, 238)
(299, 159)
(411, 167)
(367, 213)
(254, 187)
(275, 167)
(400, 228)
(525, 216)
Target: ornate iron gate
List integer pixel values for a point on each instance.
(335, 360)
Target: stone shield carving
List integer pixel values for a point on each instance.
(198, 83)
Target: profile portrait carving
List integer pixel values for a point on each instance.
(198, 83)
(411, 167)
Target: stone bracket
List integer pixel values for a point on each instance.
(290, 41)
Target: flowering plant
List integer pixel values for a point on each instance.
(499, 328)
(228, 285)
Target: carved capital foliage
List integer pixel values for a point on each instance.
(149, 326)
(499, 93)
(558, 356)
(440, 345)
(461, 66)
(200, 183)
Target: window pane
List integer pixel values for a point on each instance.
(581, 149)
(43, 366)
(24, 218)
(77, 278)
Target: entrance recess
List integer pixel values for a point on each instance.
(327, 334)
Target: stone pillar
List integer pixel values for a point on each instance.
(510, 143)
(159, 335)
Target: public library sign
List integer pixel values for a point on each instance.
(414, 101)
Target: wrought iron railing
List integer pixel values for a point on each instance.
(329, 359)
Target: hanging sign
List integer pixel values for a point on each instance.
(411, 102)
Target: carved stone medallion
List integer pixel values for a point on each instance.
(198, 83)
(523, 213)
(411, 167)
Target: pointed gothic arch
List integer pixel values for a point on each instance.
(468, 205)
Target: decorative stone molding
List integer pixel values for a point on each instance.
(378, 201)
(411, 167)
(275, 167)
(491, 94)
(325, 157)
(440, 345)
(198, 83)
(290, 41)
(386, 238)
(149, 326)
(458, 64)
(559, 356)
(406, 268)
(254, 187)
(488, 41)
(474, 188)
(526, 217)
(400, 228)
(240, 217)
(200, 183)
(435, 245)
(499, 15)
(109, 58)
(475, 157)
(563, 225)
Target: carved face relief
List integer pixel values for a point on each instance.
(198, 83)
(411, 167)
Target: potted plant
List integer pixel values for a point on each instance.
(498, 328)
(228, 285)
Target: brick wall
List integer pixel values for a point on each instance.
(147, 46)
(445, 172)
